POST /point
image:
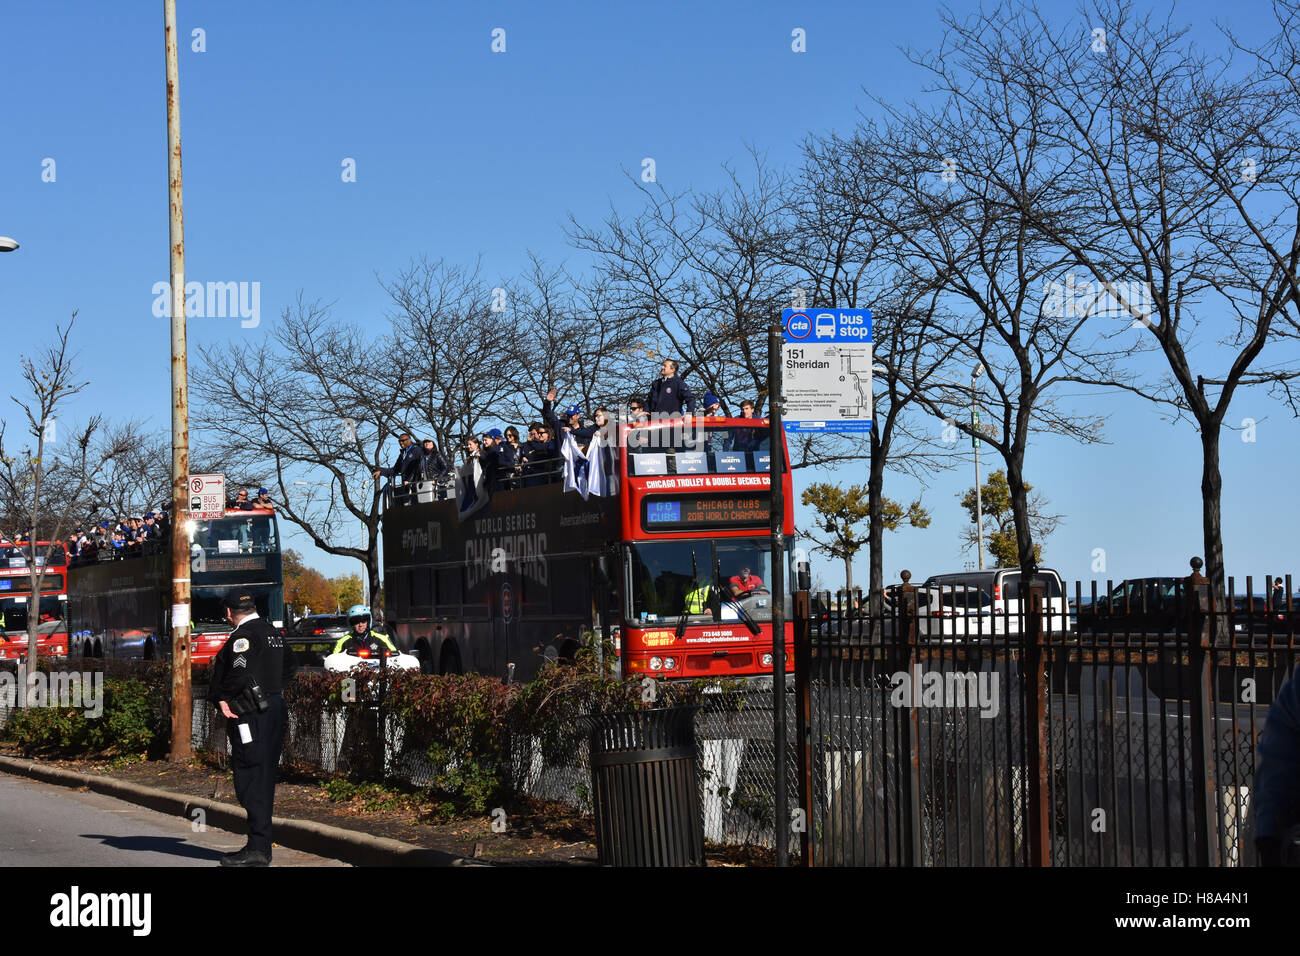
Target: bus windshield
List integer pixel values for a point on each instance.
(209, 615)
(251, 534)
(13, 615)
(665, 585)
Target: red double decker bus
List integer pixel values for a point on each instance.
(17, 603)
(674, 565)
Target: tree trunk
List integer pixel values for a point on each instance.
(1020, 513)
(372, 567)
(1212, 517)
(848, 577)
(876, 525)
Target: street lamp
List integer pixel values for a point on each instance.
(7, 244)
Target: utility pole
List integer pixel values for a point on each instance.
(975, 442)
(181, 705)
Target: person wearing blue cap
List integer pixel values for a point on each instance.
(263, 500)
(490, 458)
(581, 433)
(713, 406)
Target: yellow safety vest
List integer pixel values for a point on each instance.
(697, 601)
(378, 635)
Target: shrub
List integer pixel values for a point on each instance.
(129, 724)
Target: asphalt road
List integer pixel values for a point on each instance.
(46, 825)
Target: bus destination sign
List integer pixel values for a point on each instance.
(687, 512)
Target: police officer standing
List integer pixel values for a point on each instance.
(248, 678)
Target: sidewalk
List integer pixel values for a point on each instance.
(392, 834)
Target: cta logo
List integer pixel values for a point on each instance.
(799, 326)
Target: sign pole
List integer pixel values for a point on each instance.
(776, 475)
(181, 706)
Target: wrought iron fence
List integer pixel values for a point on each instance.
(943, 729)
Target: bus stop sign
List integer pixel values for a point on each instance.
(826, 370)
(207, 497)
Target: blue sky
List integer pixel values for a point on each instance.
(461, 153)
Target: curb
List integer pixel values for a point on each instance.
(359, 849)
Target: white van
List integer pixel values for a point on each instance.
(1003, 586)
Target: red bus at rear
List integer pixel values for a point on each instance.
(17, 604)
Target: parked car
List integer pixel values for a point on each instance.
(1003, 587)
(315, 635)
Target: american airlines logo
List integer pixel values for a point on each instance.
(422, 539)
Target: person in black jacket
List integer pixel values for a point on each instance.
(432, 464)
(1275, 798)
(248, 678)
(669, 392)
(409, 462)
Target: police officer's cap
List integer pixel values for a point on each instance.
(239, 600)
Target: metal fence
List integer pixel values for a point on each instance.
(938, 732)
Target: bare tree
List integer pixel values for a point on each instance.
(455, 339)
(574, 335)
(310, 412)
(45, 482)
(1186, 170)
(969, 181)
(851, 256)
(713, 272)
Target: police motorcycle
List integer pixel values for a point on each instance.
(367, 651)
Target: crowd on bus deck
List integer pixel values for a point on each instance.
(126, 536)
(502, 455)
(121, 535)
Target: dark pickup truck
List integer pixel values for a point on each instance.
(1157, 606)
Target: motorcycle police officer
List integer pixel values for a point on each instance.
(361, 633)
(248, 677)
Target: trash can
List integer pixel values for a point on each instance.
(646, 795)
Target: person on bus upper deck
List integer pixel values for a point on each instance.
(747, 438)
(713, 406)
(669, 393)
(263, 500)
(408, 464)
(581, 433)
(432, 465)
(636, 412)
(535, 451)
(240, 502)
(489, 456)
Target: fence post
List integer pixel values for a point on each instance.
(803, 710)
(1201, 621)
(1034, 661)
(909, 727)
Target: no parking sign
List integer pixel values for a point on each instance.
(207, 497)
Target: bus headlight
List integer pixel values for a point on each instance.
(766, 660)
(656, 664)
(670, 664)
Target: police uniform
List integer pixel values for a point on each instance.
(254, 652)
(365, 638)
